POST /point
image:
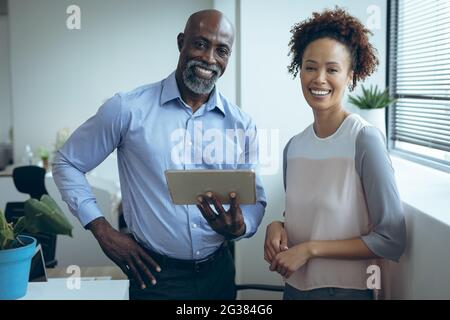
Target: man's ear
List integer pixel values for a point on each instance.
(180, 41)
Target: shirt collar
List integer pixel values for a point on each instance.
(170, 92)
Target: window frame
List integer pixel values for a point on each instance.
(442, 165)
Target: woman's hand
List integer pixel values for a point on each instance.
(276, 240)
(289, 261)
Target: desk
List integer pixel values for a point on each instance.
(112, 272)
(7, 171)
(57, 289)
(97, 283)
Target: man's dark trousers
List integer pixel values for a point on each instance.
(210, 279)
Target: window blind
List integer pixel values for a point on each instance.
(419, 76)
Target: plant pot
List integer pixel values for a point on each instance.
(375, 117)
(15, 269)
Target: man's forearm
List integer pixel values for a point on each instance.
(75, 189)
(98, 227)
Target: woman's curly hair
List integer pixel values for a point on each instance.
(336, 24)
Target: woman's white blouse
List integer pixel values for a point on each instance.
(342, 187)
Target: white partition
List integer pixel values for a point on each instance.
(8, 192)
(5, 81)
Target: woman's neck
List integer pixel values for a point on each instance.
(326, 123)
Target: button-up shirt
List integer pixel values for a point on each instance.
(153, 131)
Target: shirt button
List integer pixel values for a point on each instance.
(190, 143)
(197, 253)
(194, 225)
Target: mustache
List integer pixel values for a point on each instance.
(211, 67)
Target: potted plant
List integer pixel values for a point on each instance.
(16, 250)
(372, 104)
(61, 137)
(44, 154)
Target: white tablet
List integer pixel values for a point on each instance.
(186, 185)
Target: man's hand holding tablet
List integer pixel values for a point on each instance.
(215, 187)
(229, 223)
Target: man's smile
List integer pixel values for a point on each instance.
(203, 72)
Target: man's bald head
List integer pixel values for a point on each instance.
(209, 17)
(205, 47)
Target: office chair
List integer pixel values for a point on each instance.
(31, 180)
(261, 287)
(252, 286)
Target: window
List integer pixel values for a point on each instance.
(419, 78)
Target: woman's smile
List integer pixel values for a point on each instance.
(325, 73)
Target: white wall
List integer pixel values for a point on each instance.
(423, 271)
(228, 84)
(8, 192)
(60, 77)
(5, 88)
(275, 100)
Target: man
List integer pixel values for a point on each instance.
(175, 252)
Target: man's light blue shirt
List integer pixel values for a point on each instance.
(153, 130)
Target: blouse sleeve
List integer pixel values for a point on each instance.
(387, 237)
(285, 151)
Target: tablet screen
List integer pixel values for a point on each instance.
(186, 185)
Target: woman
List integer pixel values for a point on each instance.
(342, 205)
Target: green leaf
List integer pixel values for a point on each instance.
(6, 241)
(45, 216)
(6, 233)
(372, 98)
(19, 226)
(46, 199)
(3, 222)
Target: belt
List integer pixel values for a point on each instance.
(187, 265)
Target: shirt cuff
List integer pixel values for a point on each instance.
(88, 212)
(383, 247)
(252, 217)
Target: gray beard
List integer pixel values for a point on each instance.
(199, 85)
